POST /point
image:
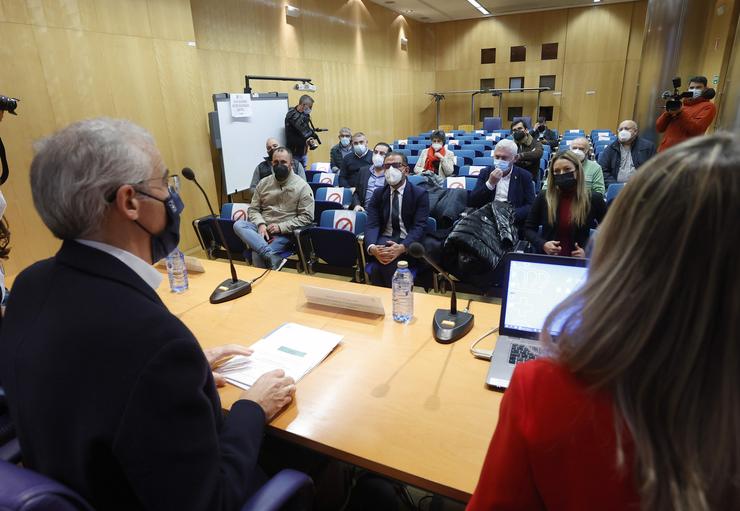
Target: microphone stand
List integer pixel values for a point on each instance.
(449, 325)
(229, 289)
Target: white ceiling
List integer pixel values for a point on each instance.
(434, 11)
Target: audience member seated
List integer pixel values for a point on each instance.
(110, 393)
(591, 170)
(342, 149)
(264, 168)
(620, 159)
(436, 159)
(566, 211)
(388, 233)
(281, 203)
(692, 119)
(352, 163)
(505, 182)
(634, 404)
(371, 178)
(544, 134)
(530, 150)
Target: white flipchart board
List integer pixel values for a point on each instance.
(242, 141)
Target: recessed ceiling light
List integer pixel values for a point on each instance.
(597, 1)
(478, 6)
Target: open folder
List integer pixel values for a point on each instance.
(294, 348)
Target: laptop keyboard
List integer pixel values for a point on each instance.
(522, 353)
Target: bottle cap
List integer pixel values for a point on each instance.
(403, 265)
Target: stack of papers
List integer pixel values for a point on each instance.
(296, 349)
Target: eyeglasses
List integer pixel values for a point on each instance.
(171, 183)
(397, 165)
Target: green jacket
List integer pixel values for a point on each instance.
(289, 205)
(594, 177)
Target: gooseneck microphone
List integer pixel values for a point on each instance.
(449, 325)
(229, 289)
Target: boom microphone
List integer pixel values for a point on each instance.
(229, 289)
(449, 325)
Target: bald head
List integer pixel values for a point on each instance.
(271, 144)
(627, 131)
(580, 143)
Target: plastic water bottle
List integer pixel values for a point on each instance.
(177, 272)
(403, 293)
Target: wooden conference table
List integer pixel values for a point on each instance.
(389, 398)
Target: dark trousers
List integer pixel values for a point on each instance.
(382, 274)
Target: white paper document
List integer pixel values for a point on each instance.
(294, 348)
(241, 105)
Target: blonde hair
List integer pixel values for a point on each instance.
(657, 324)
(582, 203)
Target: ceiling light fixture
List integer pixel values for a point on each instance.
(597, 1)
(478, 6)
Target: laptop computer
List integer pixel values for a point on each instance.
(533, 285)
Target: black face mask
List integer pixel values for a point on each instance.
(541, 128)
(281, 172)
(166, 241)
(565, 182)
(519, 136)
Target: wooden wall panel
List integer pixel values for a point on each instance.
(590, 39)
(73, 59)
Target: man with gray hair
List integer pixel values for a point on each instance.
(505, 182)
(621, 159)
(342, 149)
(109, 392)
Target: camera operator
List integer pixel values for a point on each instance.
(692, 117)
(300, 133)
(6, 105)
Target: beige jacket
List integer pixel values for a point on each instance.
(289, 205)
(446, 164)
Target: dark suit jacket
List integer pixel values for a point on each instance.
(111, 394)
(520, 196)
(358, 197)
(351, 166)
(414, 213)
(580, 234)
(611, 157)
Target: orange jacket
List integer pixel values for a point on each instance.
(694, 119)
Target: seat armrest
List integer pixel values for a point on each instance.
(287, 490)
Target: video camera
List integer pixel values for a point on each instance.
(8, 104)
(674, 101)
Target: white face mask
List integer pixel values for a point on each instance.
(359, 149)
(624, 135)
(696, 92)
(378, 160)
(344, 141)
(578, 152)
(436, 146)
(3, 205)
(307, 111)
(393, 176)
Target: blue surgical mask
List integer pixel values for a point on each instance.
(165, 242)
(307, 111)
(344, 141)
(360, 149)
(502, 165)
(696, 93)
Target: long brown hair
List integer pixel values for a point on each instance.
(582, 203)
(657, 324)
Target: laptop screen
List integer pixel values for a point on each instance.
(534, 289)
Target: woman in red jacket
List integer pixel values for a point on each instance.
(637, 405)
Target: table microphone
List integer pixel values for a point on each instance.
(232, 288)
(449, 325)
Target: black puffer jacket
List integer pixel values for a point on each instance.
(479, 241)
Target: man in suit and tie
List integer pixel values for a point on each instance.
(505, 182)
(396, 217)
(110, 393)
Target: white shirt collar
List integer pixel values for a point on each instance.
(146, 271)
(401, 188)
